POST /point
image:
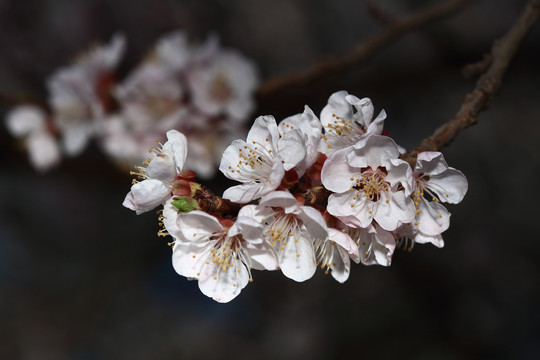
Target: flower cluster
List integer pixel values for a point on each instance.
(313, 192)
(203, 90)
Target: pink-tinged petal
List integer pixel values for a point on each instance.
(352, 208)
(376, 246)
(313, 222)
(146, 195)
(243, 193)
(384, 247)
(400, 172)
(264, 127)
(161, 167)
(373, 151)
(281, 199)
(292, 149)
(436, 240)
(341, 265)
(344, 241)
(223, 285)
(179, 147)
(337, 105)
(393, 209)
(430, 163)
(433, 218)
(197, 226)
(298, 259)
(450, 186)
(188, 259)
(262, 256)
(377, 125)
(336, 174)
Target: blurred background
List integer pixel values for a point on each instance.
(82, 277)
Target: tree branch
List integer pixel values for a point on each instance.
(363, 51)
(487, 86)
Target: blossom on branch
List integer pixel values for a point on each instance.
(346, 119)
(370, 183)
(298, 207)
(220, 255)
(159, 175)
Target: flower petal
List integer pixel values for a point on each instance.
(393, 209)
(243, 193)
(298, 259)
(188, 259)
(399, 173)
(373, 151)
(450, 186)
(336, 173)
(146, 195)
(179, 147)
(223, 285)
(198, 225)
(281, 199)
(352, 208)
(292, 149)
(432, 217)
(264, 127)
(262, 256)
(430, 163)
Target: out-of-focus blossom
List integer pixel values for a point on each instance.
(76, 94)
(29, 123)
(224, 86)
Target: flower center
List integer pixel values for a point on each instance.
(220, 89)
(225, 251)
(283, 229)
(345, 130)
(372, 183)
(255, 162)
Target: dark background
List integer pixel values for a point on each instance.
(81, 277)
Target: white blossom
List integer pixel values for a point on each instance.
(310, 129)
(434, 182)
(159, 174)
(346, 119)
(292, 230)
(260, 162)
(370, 183)
(219, 254)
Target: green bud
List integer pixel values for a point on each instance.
(185, 204)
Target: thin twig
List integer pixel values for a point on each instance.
(363, 51)
(487, 86)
